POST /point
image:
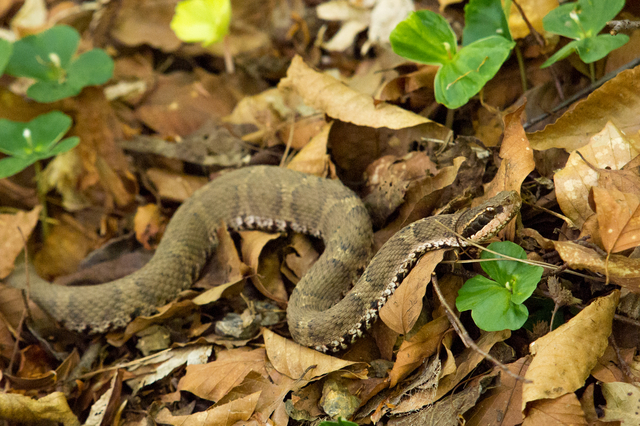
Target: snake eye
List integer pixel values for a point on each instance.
(490, 209)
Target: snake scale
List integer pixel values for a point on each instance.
(272, 198)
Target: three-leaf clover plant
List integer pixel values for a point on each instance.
(341, 422)
(50, 59)
(427, 37)
(497, 304)
(582, 21)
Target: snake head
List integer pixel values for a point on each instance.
(486, 220)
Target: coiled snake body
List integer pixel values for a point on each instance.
(273, 198)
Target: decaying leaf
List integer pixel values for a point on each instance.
(582, 340)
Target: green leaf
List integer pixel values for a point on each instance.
(457, 81)
(6, 48)
(491, 306)
(44, 56)
(205, 21)
(48, 58)
(90, 69)
(484, 18)
(497, 304)
(424, 37)
(11, 165)
(596, 48)
(589, 49)
(37, 139)
(582, 19)
(341, 422)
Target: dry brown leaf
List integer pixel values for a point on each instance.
(265, 263)
(215, 379)
(181, 102)
(621, 270)
(402, 310)
(469, 359)
(270, 394)
(609, 149)
(24, 410)
(517, 158)
(146, 22)
(296, 361)
(618, 219)
(174, 186)
(327, 94)
(415, 350)
(502, 401)
(313, 158)
(65, 247)
(565, 410)
(149, 224)
(564, 358)
(617, 101)
(15, 230)
(302, 258)
(239, 410)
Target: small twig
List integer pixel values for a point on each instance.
(623, 26)
(623, 364)
(283, 161)
(464, 335)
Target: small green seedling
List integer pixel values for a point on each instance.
(582, 21)
(497, 304)
(341, 422)
(426, 37)
(205, 21)
(40, 138)
(28, 143)
(50, 58)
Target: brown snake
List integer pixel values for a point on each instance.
(277, 199)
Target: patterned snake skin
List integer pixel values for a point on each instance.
(272, 198)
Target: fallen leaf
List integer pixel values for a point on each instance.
(469, 359)
(618, 219)
(616, 100)
(564, 358)
(175, 186)
(534, 10)
(22, 409)
(238, 410)
(146, 22)
(416, 349)
(265, 263)
(15, 230)
(313, 158)
(327, 94)
(299, 362)
(621, 270)
(609, 149)
(215, 379)
(149, 225)
(564, 410)
(403, 308)
(501, 405)
(622, 403)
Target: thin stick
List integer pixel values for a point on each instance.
(464, 335)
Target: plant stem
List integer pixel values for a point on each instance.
(42, 197)
(592, 72)
(523, 71)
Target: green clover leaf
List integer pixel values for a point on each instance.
(40, 138)
(49, 58)
(582, 21)
(497, 304)
(426, 37)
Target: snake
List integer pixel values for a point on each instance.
(338, 298)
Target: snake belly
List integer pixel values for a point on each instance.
(277, 199)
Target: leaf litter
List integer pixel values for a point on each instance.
(176, 119)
